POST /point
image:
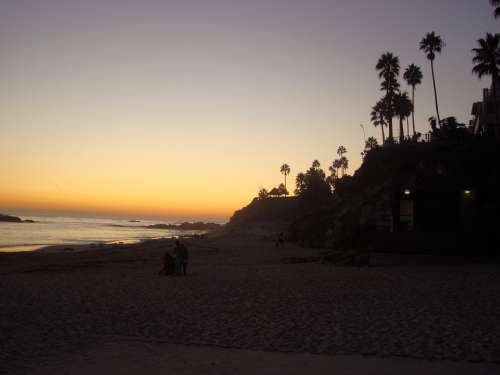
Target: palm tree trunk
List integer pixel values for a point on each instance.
(389, 116)
(401, 130)
(435, 93)
(494, 87)
(383, 133)
(413, 110)
(285, 181)
(408, 126)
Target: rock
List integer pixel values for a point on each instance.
(187, 226)
(10, 219)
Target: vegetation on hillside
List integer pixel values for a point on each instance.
(329, 206)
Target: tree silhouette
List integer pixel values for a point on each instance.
(378, 117)
(344, 164)
(300, 183)
(433, 123)
(263, 194)
(403, 107)
(337, 164)
(388, 68)
(496, 4)
(282, 190)
(341, 151)
(371, 143)
(341, 163)
(449, 128)
(432, 44)
(332, 179)
(312, 185)
(285, 170)
(413, 77)
(486, 60)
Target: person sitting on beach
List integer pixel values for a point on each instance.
(168, 264)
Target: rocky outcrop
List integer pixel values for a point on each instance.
(10, 219)
(13, 219)
(187, 226)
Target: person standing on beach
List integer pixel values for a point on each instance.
(184, 259)
(178, 256)
(181, 258)
(168, 264)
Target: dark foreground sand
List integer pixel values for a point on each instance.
(131, 356)
(93, 311)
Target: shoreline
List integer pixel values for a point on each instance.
(95, 245)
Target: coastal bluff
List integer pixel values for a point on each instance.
(265, 216)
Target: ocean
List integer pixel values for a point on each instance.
(60, 230)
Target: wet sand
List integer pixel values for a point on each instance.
(242, 297)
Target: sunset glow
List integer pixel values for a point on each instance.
(187, 108)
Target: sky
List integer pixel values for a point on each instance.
(186, 108)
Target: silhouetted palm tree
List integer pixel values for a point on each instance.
(432, 123)
(413, 76)
(378, 117)
(487, 60)
(496, 4)
(300, 182)
(285, 170)
(371, 143)
(388, 68)
(334, 168)
(332, 179)
(344, 164)
(432, 44)
(341, 150)
(402, 106)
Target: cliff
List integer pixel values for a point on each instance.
(266, 216)
(359, 215)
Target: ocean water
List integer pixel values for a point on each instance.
(48, 231)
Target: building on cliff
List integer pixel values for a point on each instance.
(486, 113)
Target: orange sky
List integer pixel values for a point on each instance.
(187, 108)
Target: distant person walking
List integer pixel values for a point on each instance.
(280, 241)
(181, 258)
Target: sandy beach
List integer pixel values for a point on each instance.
(243, 304)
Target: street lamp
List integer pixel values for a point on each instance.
(364, 134)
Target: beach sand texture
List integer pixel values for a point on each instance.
(241, 293)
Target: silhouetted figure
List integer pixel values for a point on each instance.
(181, 258)
(280, 241)
(168, 264)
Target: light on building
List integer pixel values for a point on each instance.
(407, 192)
(467, 193)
